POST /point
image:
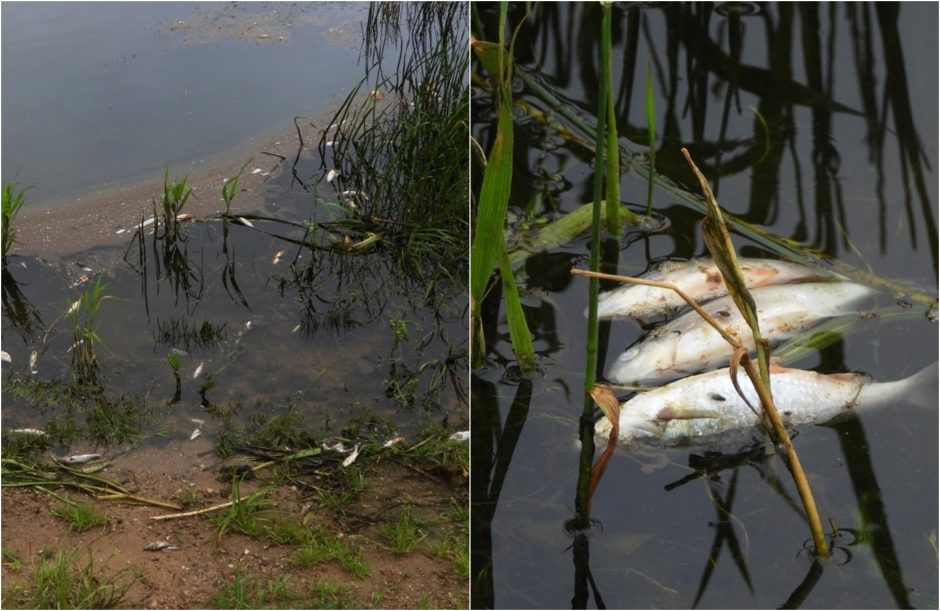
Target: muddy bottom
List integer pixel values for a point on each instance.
(207, 563)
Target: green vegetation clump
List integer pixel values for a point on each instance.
(80, 517)
(13, 201)
(58, 583)
(404, 533)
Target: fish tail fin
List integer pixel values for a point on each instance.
(923, 387)
(919, 389)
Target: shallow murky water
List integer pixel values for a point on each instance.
(254, 321)
(788, 113)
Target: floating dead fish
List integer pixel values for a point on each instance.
(79, 459)
(330, 143)
(394, 441)
(147, 222)
(336, 447)
(196, 433)
(74, 307)
(460, 436)
(701, 280)
(198, 371)
(120, 231)
(33, 359)
(257, 171)
(197, 421)
(185, 216)
(689, 344)
(277, 257)
(83, 267)
(296, 328)
(5, 356)
(352, 457)
(245, 222)
(157, 546)
(332, 175)
(706, 409)
(35, 432)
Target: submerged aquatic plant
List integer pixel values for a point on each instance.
(13, 201)
(83, 315)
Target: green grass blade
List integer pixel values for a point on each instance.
(518, 329)
(651, 125)
(497, 178)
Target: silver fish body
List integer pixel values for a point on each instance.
(701, 280)
(688, 344)
(706, 409)
(79, 459)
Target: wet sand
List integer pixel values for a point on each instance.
(60, 229)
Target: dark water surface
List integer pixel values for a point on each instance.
(104, 94)
(818, 122)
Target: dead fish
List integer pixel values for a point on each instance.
(35, 432)
(336, 447)
(460, 436)
(196, 433)
(185, 216)
(394, 441)
(120, 231)
(148, 222)
(706, 409)
(688, 344)
(330, 143)
(74, 307)
(197, 421)
(33, 358)
(257, 171)
(701, 280)
(277, 257)
(332, 175)
(83, 267)
(198, 371)
(245, 222)
(156, 546)
(82, 279)
(5, 356)
(352, 457)
(79, 459)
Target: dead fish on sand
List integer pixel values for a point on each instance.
(706, 409)
(701, 280)
(156, 546)
(688, 344)
(79, 459)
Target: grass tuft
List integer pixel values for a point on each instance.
(80, 517)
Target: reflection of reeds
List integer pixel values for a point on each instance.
(696, 49)
(401, 150)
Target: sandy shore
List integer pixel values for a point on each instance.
(59, 229)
